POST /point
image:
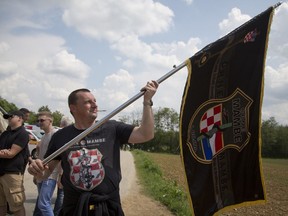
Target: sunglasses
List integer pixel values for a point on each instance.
(41, 120)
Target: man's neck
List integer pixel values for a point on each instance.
(15, 126)
(83, 125)
(48, 130)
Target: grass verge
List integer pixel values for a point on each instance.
(164, 190)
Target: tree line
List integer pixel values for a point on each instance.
(8, 107)
(274, 141)
(166, 139)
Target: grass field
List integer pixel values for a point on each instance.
(275, 175)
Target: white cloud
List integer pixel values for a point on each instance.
(129, 63)
(153, 61)
(43, 71)
(189, 2)
(4, 47)
(164, 55)
(116, 90)
(181, 49)
(66, 64)
(234, 20)
(276, 81)
(111, 20)
(19, 14)
(276, 76)
(278, 44)
(7, 68)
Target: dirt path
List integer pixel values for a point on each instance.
(133, 201)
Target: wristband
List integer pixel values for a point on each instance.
(148, 103)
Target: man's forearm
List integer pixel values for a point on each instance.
(147, 125)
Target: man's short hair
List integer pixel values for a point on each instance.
(72, 99)
(46, 113)
(24, 110)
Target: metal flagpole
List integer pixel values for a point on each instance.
(106, 118)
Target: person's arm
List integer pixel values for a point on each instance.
(60, 173)
(145, 131)
(10, 153)
(38, 148)
(41, 171)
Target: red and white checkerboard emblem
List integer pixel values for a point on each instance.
(210, 118)
(250, 36)
(87, 171)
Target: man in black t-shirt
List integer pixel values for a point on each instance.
(13, 160)
(91, 167)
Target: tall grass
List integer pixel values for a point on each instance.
(166, 191)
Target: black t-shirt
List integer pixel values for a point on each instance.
(18, 136)
(93, 164)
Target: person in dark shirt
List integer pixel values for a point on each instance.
(13, 160)
(91, 167)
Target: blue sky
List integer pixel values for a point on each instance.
(49, 48)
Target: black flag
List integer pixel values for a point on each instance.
(220, 122)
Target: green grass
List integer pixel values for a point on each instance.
(276, 162)
(164, 190)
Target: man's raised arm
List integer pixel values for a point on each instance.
(145, 131)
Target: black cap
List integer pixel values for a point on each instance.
(17, 112)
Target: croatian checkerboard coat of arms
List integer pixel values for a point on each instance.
(87, 171)
(218, 125)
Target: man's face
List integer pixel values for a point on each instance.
(26, 117)
(44, 122)
(14, 120)
(85, 106)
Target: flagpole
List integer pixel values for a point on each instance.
(107, 117)
(277, 5)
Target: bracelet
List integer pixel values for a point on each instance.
(148, 103)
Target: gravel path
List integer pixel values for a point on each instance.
(133, 201)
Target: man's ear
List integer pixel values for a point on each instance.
(21, 118)
(72, 108)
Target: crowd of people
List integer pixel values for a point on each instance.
(87, 174)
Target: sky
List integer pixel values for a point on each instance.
(50, 48)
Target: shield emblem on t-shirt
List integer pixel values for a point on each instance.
(87, 171)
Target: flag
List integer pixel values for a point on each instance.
(220, 120)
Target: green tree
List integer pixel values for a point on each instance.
(44, 109)
(56, 115)
(6, 106)
(166, 119)
(269, 137)
(274, 141)
(32, 118)
(134, 118)
(281, 150)
(166, 137)
(57, 118)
